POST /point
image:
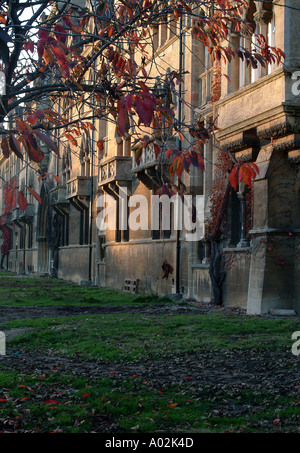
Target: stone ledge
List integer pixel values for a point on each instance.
(282, 312)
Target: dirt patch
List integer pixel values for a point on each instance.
(13, 333)
(23, 312)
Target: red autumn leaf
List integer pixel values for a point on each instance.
(234, 177)
(47, 140)
(111, 32)
(130, 67)
(186, 163)
(40, 49)
(128, 103)
(85, 395)
(32, 119)
(40, 114)
(36, 195)
(145, 109)
(5, 147)
(60, 33)
(29, 45)
(51, 402)
(32, 148)
(10, 197)
(143, 86)
(3, 400)
(15, 146)
(100, 145)
(248, 173)
(157, 150)
(43, 34)
(59, 53)
(57, 179)
(22, 126)
(179, 168)
(201, 162)
(75, 28)
(254, 166)
(22, 202)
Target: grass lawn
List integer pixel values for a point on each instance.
(16, 291)
(63, 399)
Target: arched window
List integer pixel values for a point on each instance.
(259, 20)
(84, 158)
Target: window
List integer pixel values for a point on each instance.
(262, 22)
(84, 227)
(64, 236)
(22, 234)
(101, 240)
(163, 221)
(205, 79)
(254, 71)
(29, 235)
(66, 165)
(122, 235)
(271, 40)
(85, 159)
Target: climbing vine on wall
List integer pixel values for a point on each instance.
(223, 166)
(9, 203)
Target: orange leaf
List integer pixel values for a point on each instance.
(10, 197)
(181, 137)
(172, 406)
(72, 139)
(57, 179)
(5, 147)
(100, 145)
(234, 177)
(34, 194)
(22, 202)
(22, 126)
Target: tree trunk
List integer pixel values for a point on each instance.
(217, 273)
(217, 269)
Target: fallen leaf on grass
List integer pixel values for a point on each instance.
(172, 406)
(85, 395)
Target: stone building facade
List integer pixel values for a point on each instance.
(257, 114)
